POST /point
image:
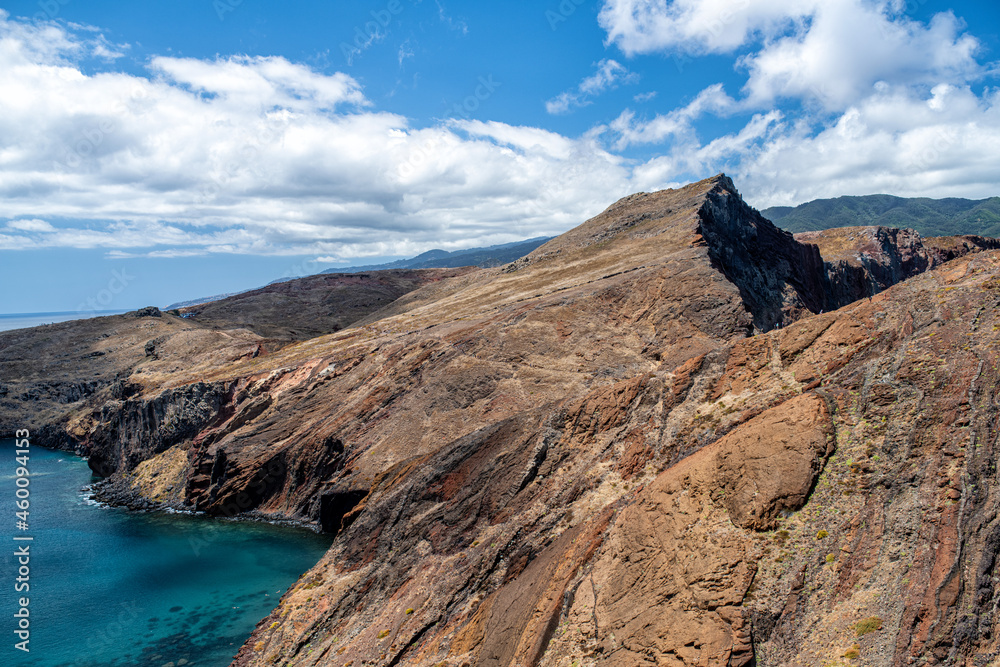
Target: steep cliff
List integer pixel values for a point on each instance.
(654, 440)
(863, 261)
(72, 373)
(779, 278)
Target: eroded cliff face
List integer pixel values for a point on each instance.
(846, 475)
(897, 528)
(331, 415)
(587, 457)
(779, 279)
(863, 261)
(61, 379)
(58, 380)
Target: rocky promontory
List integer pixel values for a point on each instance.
(674, 435)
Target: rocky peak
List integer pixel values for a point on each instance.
(782, 277)
(779, 278)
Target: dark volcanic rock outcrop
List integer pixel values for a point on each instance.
(60, 378)
(130, 431)
(863, 261)
(585, 458)
(779, 279)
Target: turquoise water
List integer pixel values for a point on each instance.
(111, 588)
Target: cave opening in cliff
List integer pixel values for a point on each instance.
(335, 509)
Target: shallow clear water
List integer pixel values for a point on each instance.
(112, 588)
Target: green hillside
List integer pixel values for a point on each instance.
(929, 217)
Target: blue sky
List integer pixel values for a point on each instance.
(205, 146)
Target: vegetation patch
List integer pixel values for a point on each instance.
(868, 626)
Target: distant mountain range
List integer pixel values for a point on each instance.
(494, 255)
(929, 217)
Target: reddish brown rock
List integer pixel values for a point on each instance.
(641, 444)
(670, 582)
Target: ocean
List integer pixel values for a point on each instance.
(114, 588)
(27, 320)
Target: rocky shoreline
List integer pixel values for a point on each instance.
(115, 492)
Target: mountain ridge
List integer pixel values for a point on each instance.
(929, 217)
(484, 257)
(642, 443)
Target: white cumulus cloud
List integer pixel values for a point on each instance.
(261, 155)
(33, 225)
(840, 97)
(678, 123)
(712, 26)
(828, 52)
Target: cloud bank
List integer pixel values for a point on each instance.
(840, 96)
(260, 155)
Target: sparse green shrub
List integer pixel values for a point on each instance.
(822, 534)
(868, 626)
